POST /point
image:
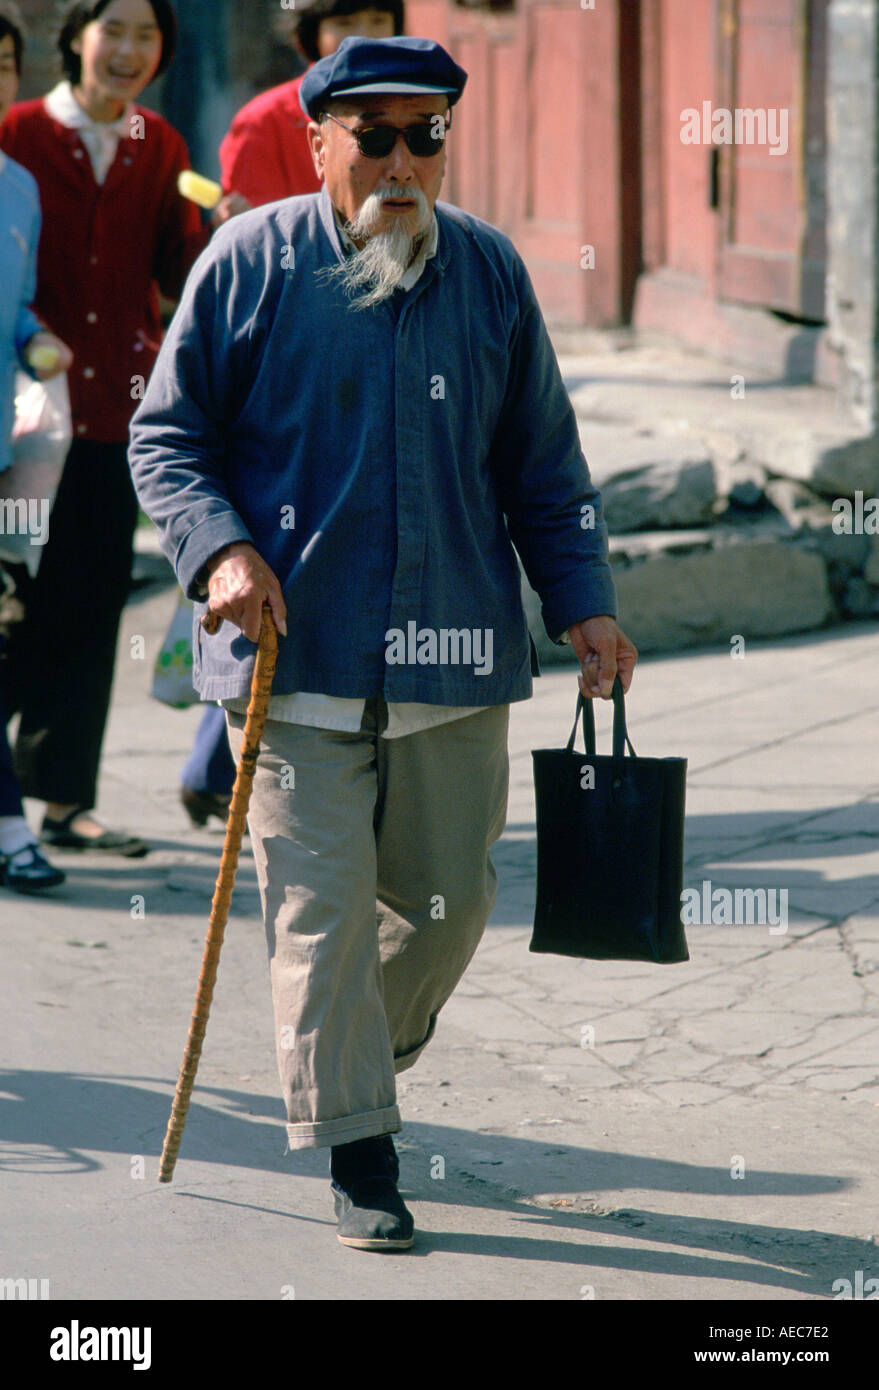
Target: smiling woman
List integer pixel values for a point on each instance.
(112, 49)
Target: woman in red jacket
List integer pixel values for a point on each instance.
(265, 154)
(115, 230)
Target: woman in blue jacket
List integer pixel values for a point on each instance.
(22, 866)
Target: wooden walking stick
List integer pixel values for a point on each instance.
(260, 690)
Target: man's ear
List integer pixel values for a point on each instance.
(317, 145)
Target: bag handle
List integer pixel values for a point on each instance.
(620, 732)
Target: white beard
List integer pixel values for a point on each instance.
(378, 267)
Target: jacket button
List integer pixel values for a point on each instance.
(88, 371)
(80, 429)
(94, 260)
(77, 154)
(92, 317)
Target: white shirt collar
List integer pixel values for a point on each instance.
(63, 105)
(101, 138)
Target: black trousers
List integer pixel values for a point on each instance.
(61, 658)
(10, 797)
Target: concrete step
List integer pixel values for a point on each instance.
(722, 497)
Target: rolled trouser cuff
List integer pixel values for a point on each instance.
(321, 1134)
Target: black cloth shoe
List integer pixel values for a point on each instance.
(27, 871)
(200, 805)
(370, 1211)
(61, 834)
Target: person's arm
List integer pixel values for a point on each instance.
(26, 321)
(29, 333)
(553, 510)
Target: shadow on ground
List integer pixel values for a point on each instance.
(53, 1123)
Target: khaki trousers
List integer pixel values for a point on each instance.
(372, 858)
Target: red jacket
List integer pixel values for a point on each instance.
(103, 251)
(265, 153)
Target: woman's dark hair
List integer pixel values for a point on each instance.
(11, 23)
(303, 24)
(77, 15)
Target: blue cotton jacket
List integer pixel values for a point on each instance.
(19, 236)
(384, 462)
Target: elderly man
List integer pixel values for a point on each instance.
(355, 412)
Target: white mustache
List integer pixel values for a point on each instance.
(366, 219)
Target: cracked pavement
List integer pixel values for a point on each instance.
(576, 1128)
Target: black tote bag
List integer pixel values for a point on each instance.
(610, 848)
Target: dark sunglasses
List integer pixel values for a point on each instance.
(377, 141)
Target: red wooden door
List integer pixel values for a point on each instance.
(769, 185)
(539, 141)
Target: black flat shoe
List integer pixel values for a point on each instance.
(200, 805)
(61, 834)
(373, 1216)
(27, 871)
(371, 1213)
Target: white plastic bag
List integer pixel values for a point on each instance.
(172, 673)
(40, 441)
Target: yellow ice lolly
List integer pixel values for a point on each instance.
(43, 359)
(198, 189)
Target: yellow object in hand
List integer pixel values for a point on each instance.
(198, 189)
(43, 359)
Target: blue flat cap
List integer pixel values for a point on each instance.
(404, 66)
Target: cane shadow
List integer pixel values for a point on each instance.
(70, 1113)
(55, 1123)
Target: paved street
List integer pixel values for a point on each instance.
(718, 1141)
